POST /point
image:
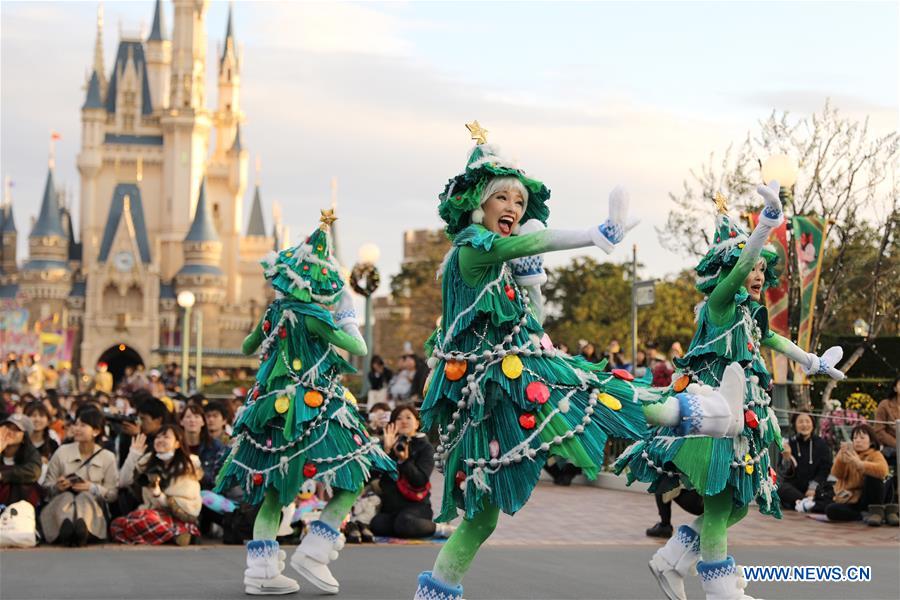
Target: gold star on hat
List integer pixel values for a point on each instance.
(721, 203)
(327, 218)
(479, 134)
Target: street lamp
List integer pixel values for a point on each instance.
(365, 279)
(783, 169)
(198, 384)
(186, 301)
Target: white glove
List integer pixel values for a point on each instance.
(345, 311)
(816, 365)
(772, 214)
(714, 412)
(529, 270)
(613, 231)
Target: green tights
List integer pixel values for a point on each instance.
(455, 558)
(719, 513)
(268, 520)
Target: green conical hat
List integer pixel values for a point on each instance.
(307, 271)
(462, 194)
(721, 257)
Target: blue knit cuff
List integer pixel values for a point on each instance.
(689, 538)
(324, 530)
(716, 570)
(432, 589)
(690, 413)
(262, 548)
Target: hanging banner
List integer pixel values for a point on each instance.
(809, 236)
(777, 299)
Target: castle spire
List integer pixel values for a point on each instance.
(99, 69)
(229, 38)
(158, 30)
(202, 229)
(256, 227)
(49, 223)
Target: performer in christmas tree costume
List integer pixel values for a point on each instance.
(503, 399)
(298, 422)
(725, 461)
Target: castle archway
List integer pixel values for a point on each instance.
(119, 357)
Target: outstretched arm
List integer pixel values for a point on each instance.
(811, 363)
(351, 341)
(605, 236)
(252, 341)
(721, 300)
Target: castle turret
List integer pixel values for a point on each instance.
(187, 89)
(9, 236)
(46, 274)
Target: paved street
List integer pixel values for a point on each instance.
(577, 542)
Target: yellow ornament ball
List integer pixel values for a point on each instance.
(313, 399)
(297, 364)
(609, 402)
(749, 466)
(427, 383)
(512, 366)
(282, 403)
(349, 397)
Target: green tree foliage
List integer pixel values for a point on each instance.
(592, 301)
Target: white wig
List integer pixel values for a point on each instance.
(500, 184)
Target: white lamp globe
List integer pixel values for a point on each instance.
(780, 168)
(369, 253)
(186, 299)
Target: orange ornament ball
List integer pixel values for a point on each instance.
(313, 399)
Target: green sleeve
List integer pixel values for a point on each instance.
(337, 337)
(721, 300)
(252, 341)
(474, 262)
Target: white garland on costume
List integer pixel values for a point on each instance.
(471, 393)
(504, 273)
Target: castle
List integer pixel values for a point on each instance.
(163, 180)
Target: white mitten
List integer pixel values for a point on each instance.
(529, 270)
(345, 311)
(771, 215)
(613, 231)
(714, 412)
(817, 365)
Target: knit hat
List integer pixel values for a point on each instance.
(307, 271)
(723, 255)
(462, 194)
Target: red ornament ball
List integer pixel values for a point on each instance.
(527, 421)
(510, 292)
(460, 477)
(257, 479)
(622, 374)
(267, 326)
(732, 233)
(357, 439)
(750, 346)
(537, 392)
(773, 476)
(750, 419)
(282, 333)
(324, 271)
(309, 470)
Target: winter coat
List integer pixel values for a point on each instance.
(849, 479)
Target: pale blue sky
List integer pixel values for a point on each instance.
(586, 95)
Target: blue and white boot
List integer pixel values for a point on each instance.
(675, 561)
(318, 548)
(433, 589)
(265, 562)
(722, 580)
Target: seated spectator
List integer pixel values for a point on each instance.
(379, 416)
(44, 439)
(156, 386)
(20, 468)
(169, 482)
(406, 503)
(218, 421)
(589, 353)
(379, 374)
(211, 452)
(400, 387)
(888, 410)
(81, 480)
(860, 470)
(804, 466)
(152, 414)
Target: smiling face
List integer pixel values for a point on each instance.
(165, 442)
(406, 422)
(755, 280)
(803, 425)
(504, 205)
(83, 432)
